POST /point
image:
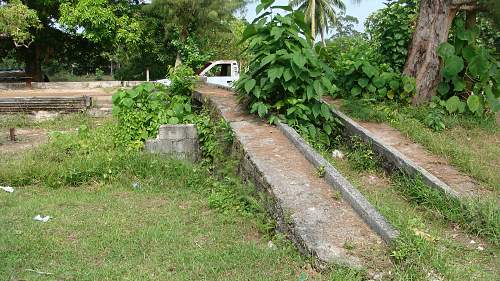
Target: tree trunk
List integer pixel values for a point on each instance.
(434, 22)
(313, 19)
(32, 59)
(323, 38)
(178, 60)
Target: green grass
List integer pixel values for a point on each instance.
(469, 143)
(185, 222)
(61, 122)
(429, 242)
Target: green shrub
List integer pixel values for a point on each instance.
(471, 80)
(140, 112)
(99, 74)
(391, 29)
(360, 78)
(286, 79)
(182, 80)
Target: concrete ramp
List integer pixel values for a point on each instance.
(312, 214)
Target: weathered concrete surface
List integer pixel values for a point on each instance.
(401, 153)
(306, 208)
(179, 141)
(366, 210)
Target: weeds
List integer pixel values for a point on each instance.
(478, 217)
(361, 155)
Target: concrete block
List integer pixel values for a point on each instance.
(179, 141)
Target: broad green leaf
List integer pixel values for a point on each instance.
(479, 66)
(310, 92)
(452, 104)
(287, 75)
(327, 128)
(459, 85)
(267, 59)
(469, 52)
(249, 85)
(355, 91)
(445, 50)
(326, 112)
(127, 102)
(452, 66)
(275, 73)
(316, 110)
(327, 84)
(378, 82)
(318, 88)
(299, 59)
(173, 120)
(371, 88)
(394, 84)
(369, 70)
(363, 82)
(473, 102)
(443, 88)
(408, 87)
(262, 110)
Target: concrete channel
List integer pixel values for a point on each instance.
(393, 159)
(343, 229)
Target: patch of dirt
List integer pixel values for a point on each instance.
(26, 139)
(436, 165)
(375, 181)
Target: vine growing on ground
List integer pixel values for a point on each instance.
(286, 79)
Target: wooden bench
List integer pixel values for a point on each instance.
(10, 76)
(34, 104)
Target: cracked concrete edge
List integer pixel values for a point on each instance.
(394, 158)
(249, 171)
(357, 201)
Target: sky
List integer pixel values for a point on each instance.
(361, 10)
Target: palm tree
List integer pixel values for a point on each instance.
(320, 14)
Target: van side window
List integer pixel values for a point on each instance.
(222, 70)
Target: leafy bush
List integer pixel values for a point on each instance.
(99, 73)
(140, 112)
(359, 78)
(470, 70)
(391, 29)
(182, 80)
(286, 79)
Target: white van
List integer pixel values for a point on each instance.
(221, 72)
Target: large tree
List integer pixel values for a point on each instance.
(434, 22)
(320, 14)
(16, 21)
(186, 18)
(45, 28)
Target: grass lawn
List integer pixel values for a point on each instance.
(472, 144)
(185, 222)
(430, 246)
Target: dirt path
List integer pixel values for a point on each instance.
(308, 209)
(26, 139)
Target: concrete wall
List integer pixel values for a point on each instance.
(179, 141)
(71, 85)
